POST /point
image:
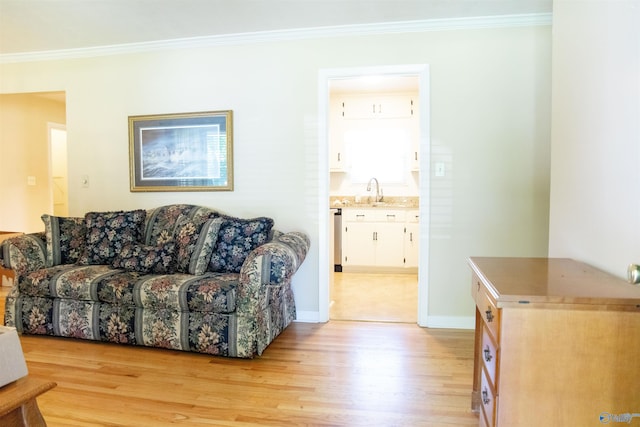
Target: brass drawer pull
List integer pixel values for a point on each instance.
(485, 397)
(487, 354)
(489, 314)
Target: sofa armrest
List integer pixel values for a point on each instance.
(273, 263)
(24, 253)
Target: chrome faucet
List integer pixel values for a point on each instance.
(379, 195)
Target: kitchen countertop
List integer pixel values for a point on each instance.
(387, 203)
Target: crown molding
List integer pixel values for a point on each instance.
(482, 22)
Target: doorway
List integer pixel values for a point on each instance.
(326, 276)
(58, 169)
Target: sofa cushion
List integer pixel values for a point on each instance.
(161, 223)
(238, 237)
(65, 239)
(195, 241)
(210, 292)
(108, 232)
(146, 259)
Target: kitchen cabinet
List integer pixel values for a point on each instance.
(411, 243)
(377, 238)
(414, 154)
(373, 238)
(395, 113)
(336, 138)
(392, 106)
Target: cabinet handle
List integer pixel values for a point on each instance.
(489, 314)
(338, 156)
(478, 284)
(485, 396)
(487, 354)
(391, 216)
(359, 215)
(411, 237)
(375, 235)
(415, 154)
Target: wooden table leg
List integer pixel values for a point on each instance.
(26, 415)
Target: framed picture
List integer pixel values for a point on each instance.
(181, 152)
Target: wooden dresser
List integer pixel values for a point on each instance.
(557, 344)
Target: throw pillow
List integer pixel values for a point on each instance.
(146, 259)
(65, 239)
(238, 237)
(195, 242)
(108, 232)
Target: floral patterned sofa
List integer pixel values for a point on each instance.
(181, 277)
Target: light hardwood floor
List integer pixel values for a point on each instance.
(334, 374)
(374, 297)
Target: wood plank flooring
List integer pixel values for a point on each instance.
(334, 374)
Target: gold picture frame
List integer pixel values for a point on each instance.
(181, 152)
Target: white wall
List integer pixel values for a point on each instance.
(595, 174)
(489, 120)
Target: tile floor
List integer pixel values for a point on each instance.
(374, 297)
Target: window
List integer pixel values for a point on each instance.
(379, 152)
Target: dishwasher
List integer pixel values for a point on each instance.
(336, 233)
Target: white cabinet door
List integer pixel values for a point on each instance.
(414, 129)
(377, 106)
(411, 239)
(336, 138)
(373, 237)
(389, 241)
(411, 245)
(358, 244)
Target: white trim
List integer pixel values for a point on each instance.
(50, 127)
(323, 192)
(424, 204)
(307, 317)
(433, 322)
(451, 322)
(479, 22)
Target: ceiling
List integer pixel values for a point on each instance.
(28, 26)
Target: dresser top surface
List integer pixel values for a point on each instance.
(552, 280)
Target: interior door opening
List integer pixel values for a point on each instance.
(358, 82)
(59, 178)
(373, 149)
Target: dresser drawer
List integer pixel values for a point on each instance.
(488, 311)
(489, 355)
(487, 398)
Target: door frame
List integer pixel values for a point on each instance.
(53, 126)
(324, 76)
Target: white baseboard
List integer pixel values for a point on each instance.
(451, 322)
(439, 322)
(307, 317)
